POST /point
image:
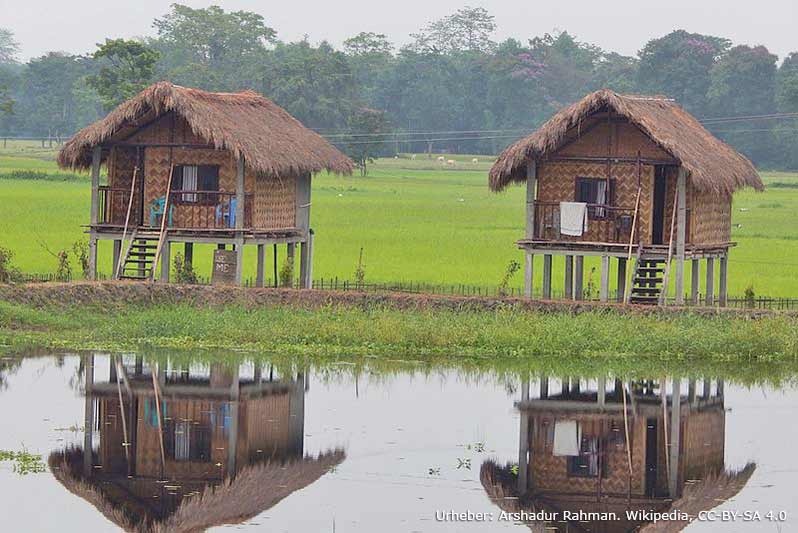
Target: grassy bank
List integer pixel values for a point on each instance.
(338, 330)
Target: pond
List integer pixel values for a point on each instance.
(99, 442)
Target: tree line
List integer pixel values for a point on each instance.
(453, 88)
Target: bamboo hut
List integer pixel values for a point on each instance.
(188, 451)
(189, 166)
(618, 176)
(604, 452)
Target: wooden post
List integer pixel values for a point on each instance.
(291, 254)
(706, 389)
(274, 257)
(719, 390)
(96, 162)
(547, 277)
(681, 232)
(675, 429)
(544, 387)
(528, 271)
(604, 290)
(259, 276)
(569, 277)
(232, 435)
(602, 391)
(710, 282)
(621, 278)
(723, 282)
(531, 188)
(117, 252)
(88, 415)
(305, 262)
(302, 200)
(166, 260)
(695, 275)
(691, 395)
(523, 441)
(579, 276)
(240, 168)
(188, 254)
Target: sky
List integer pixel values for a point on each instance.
(622, 26)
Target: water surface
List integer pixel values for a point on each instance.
(150, 444)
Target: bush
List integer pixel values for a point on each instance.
(184, 271)
(360, 271)
(510, 271)
(750, 296)
(7, 272)
(81, 251)
(287, 273)
(63, 271)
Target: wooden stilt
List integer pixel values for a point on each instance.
(92, 256)
(259, 276)
(544, 387)
(274, 257)
(569, 277)
(291, 255)
(673, 478)
(681, 233)
(166, 261)
(523, 441)
(604, 290)
(579, 276)
(723, 281)
(88, 415)
(529, 258)
(240, 262)
(710, 283)
(547, 277)
(188, 254)
(601, 396)
(622, 262)
(695, 275)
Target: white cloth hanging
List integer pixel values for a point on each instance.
(189, 183)
(567, 438)
(573, 218)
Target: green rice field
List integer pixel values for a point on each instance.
(416, 221)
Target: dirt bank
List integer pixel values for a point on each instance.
(117, 293)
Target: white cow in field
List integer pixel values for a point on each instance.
(441, 159)
(450, 162)
(475, 160)
(412, 157)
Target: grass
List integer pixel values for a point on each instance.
(384, 332)
(416, 220)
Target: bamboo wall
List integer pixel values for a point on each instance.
(617, 139)
(273, 203)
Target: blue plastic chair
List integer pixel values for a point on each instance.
(157, 207)
(226, 213)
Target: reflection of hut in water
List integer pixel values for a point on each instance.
(184, 452)
(574, 456)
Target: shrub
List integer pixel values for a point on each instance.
(81, 251)
(750, 296)
(7, 272)
(509, 272)
(287, 273)
(360, 271)
(63, 271)
(184, 271)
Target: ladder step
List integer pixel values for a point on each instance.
(638, 279)
(651, 269)
(139, 261)
(643, 291)
(141, 254)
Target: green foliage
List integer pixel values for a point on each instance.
(359, 148)
(512, 267)
(750, 296)
(39, 175)
(466, 30)
(81, 250)
(8, 272)
(8, 46)
(127, 68)
(63, 270)
(287, 273)
(360, 271)
(24, 462)
(184, 271)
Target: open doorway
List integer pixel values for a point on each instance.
(658, 209)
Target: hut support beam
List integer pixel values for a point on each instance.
(547, 277)
(695, 280)
(306, 262)
(601, 397)
(117, 252)
(710, 284)
(188, 254)
(528, 271)
(240, 199)
(724, 280)
(523, 442)
(88, 415)
(290, 257)
(166, 261)
(621, 278)
(96, 162)
(579, 275)
(604, 291)
(681, 232)
(569, 277)
(260, 275)
(531, 188)
(673, 475)
(544, 387)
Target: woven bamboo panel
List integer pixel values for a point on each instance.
(121, 164)
(703, 442)
(550, 472)
(557, 183)
(266, 421)
(619, 139)
(275, 202)
(710, 216)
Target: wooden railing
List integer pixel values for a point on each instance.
(187, 209)
(606, 223)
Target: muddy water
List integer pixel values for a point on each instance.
(125, 442)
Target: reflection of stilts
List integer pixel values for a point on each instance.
(126, 443)
(88, 418)
(628, 448)
(155, 388)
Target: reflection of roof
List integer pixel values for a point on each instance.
(500, 485)
(254, 489)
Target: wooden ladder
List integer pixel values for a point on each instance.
(649, 276)
(139, 260)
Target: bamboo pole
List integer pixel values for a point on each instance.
(663, 393)
(154, 373)
(127, 221)
(626, 434)
(164, 218)
(125, 444)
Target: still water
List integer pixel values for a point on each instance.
(155, 445)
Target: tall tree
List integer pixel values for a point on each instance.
(370, 56)
(466, 30)
(8, 46)
(361, 148)
(211, 48)
(786, 131)
(678, 65)
(127, 68)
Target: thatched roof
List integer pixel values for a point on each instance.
(271, 141)
(713, 165)
(254, 489)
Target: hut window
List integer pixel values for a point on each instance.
(586, 464)
(199, 178)
(593, 191)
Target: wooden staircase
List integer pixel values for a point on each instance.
(648, 281)
(139, 261)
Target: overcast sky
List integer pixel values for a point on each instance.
(619, 25)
